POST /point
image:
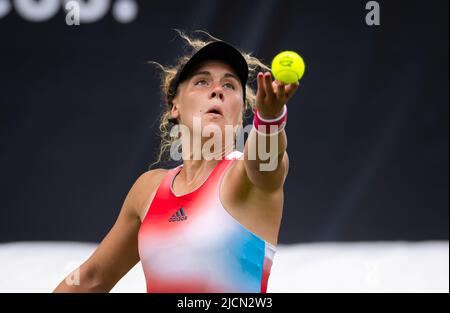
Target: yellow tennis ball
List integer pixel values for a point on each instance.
(288, 67)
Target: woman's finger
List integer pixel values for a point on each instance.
(268, 85)
(261, 92)
(280, 89)
(291, 88)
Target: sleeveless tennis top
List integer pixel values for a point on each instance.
(190, 243)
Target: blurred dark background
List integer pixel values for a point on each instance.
(368, 131)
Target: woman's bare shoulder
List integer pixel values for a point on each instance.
(151, 176)
(145, 188)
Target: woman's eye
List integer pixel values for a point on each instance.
(200, 81)
(229, 84)
(204, 81)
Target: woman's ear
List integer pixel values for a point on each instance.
(174, 112)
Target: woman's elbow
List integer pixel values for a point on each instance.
(83, 279)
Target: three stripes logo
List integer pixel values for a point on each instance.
(179, 216)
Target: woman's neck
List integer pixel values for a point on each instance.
(194, 169)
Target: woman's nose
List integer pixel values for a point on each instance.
(217, 92)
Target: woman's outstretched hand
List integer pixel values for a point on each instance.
(271, 96)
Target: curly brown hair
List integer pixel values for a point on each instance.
(168, 73)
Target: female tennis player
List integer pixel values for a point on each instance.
(210, 224)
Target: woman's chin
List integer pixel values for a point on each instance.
(212, 118)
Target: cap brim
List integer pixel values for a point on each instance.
(216, 50)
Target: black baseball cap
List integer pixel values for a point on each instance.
(216, 50)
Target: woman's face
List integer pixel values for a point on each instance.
(212, 93)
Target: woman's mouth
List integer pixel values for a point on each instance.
(215, 112)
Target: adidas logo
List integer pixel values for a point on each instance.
(179, 216)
